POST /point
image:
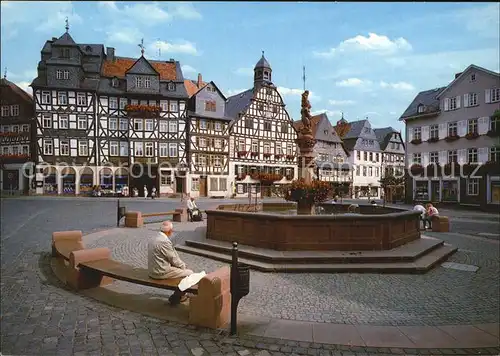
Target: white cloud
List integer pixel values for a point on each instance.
(352, 82)
(184, 47)
(185, 10)
(245, 71)
(341, 102)
(188, 69)
(379, 44)
(333, 115)
(297, 92)
(398, 85)
(231, 92)
(480, 20)
(128, 35)
(371, 113)
(25, 86)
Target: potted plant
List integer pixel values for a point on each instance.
(433, 139)
(471, 135)
(416, 141)
(452, 137)
(306, 195)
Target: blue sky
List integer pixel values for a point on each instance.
(363, 59)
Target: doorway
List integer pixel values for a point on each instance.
(203, 186)
(179, 185)
(435, 190)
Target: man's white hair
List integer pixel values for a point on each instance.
(167, 226)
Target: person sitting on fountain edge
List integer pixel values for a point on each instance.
(191, 207)
(164, 261)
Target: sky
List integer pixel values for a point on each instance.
(362, 59)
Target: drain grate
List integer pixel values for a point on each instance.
(460, 266)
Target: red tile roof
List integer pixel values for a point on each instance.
(314, 124)
(192, 87)
(119, 67)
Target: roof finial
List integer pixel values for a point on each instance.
(67, 24)
(304, 76)
(5, 73)
(141, 45)
(262, 53)
(342, 118)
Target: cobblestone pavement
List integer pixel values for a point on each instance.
(40, 317)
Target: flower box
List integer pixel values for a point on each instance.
(433, 139)
(242, 153)
(278, 156)
(290, 156)
(450, 168)
(493, 133)
(267, 178)
(14, 157)
(267, 155)
(308, 193)
(142, 110)
(255, 154)
(416, 141)
(472, 135)
(452, 138)
(417, 169)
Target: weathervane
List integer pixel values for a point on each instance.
(262, 53)
(141, 45)
(304, 76)
(5, 73)
(67, 24)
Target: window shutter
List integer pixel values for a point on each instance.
(425, 133)
(483, 125)
(442, 157)
(462, 156)
(446, 104)
(410, 134)
(442, 131)
(483, 155)
(462, 128)
(466, 100)
(487, 96)
(458, 97)
(425, 159)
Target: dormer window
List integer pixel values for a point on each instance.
(325, 132)
(420, 109)
(139, 82)
(147, 82)
(473, 77)
(115, 82)
(88, 49)
(266, 75)
(65, 53)
(171, 86)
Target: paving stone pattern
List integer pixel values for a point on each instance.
(40, 317)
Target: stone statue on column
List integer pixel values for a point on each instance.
(305, 140)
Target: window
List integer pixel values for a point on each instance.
(113, 103)
(134, 102)
(173, 106)
(284, 127)
(371, 156)
(5, 110)
(62, 98)
(434, 132)
(214, 183)
(420, 109)
(217, 161)
(46, 121)
(149, 149)
(83, 148)
(14, 110)
(218, 143)
(63, 122)
(65, 53)
(203, 124)
(149, 124)
(289, 150)
(81, 99)
(15, 150)
(453, 103)
(218, 126)
(138, 124)
(267, 126)
(376, 171)
(472, 126)
(472, 186)
(452, 156)
(358, 155)
(472, 155)
(377, 157)
(434, 157)
(473, 77)
(64, 148)
(417, 158)
(124, 149)
(364, 171)
(59, 74)
(82, 122)
(472, 99)
(163, 149)
(15, 128)
(495, 95)
(25, 128)
(201, 160)
(66, 74)
(210, 106)
(365, 156)
(202, 141)
(147, 82)
(417, 133)
(5, 150)
(267, 148)
(163, 126)
(123, 124)
(164, 105)
(172, 149)
(495, 154)
(138, 149)
(113, 148)
(452, 129)
(370, 171)
(495, 124)
(255, 146)
(195, 184)
(26, 150)
(139, 83)
(123, 103)
(45, 97)
(357, 171)
(278, 149)
(249, 123)
(171, 86)
(241, 145)
(115, 83)
(165, 178)
(172, 126)
(113, 123)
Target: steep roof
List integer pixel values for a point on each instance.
(459, 77)
(384, 135)
(65, 40)
(192, 86)
(350, 143)
(19, 91)
(263, 63)
(355, 129)
(239, 102)
(315, 120)
(121, 65)
(427, 98)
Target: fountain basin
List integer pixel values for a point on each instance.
(374, 229)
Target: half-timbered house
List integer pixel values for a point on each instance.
(262, 146)
(142, 124)
(64, 94)
(208, 148)
(331, 157)
(17, 141)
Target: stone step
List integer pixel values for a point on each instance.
(406, 253)
(421, 265)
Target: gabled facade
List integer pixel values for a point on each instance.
(365, 156)
(208, 147)
(17, 138)
(461, 132)
(262, 136)
(331, 157)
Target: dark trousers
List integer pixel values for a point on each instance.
(190, 214)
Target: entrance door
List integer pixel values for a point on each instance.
(203, 186)
(179, 185)
(434, 190)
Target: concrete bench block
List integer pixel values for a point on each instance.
(211, 308)
(180, 215)
(68, 237)
(134, 219)
(80, 278)
(440, 224)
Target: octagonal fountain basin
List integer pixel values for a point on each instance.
(271, 226)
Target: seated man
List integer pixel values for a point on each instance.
(422, 211)
(430, 213)
(191, 206)
(164, 261)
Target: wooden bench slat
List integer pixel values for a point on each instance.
(65, 247)
(160, 214)
(124, 272)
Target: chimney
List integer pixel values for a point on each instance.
(172, 60)
(54, 39)
(458, 75)
(198, 83)
(110, 54)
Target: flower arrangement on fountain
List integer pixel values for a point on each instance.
(301, 192)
